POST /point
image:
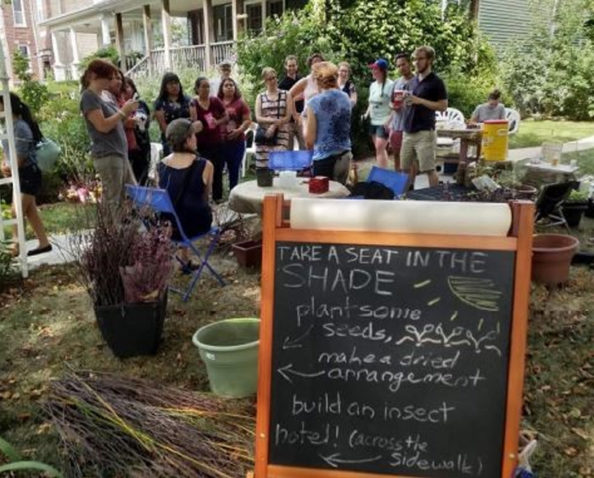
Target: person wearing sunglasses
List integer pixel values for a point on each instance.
(428, 95)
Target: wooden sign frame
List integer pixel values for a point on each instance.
(519, 240)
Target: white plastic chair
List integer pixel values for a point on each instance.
(451, 115)
(513, 118)
(156, 155)
(251, 150)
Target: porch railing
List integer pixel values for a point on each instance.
(193, 56)
(221, 51)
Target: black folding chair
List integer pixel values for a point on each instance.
(549, 202)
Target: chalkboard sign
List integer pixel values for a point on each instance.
(381, 355)
(387, 358)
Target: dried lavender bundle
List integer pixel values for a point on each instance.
(112, 426)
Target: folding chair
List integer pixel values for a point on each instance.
(158, 200)
(550, 200)
(394, 180)
(290, 160)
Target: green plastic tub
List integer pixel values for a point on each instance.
(229, 349)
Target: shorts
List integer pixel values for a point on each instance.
(30, 179)
(378, 130)
(396, 141)
(335, 167)
(420, 147)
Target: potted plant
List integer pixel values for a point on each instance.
(574, 207)
(126, 269)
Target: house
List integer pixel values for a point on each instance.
(502, 21)
(146, 33)
(143, 31)
(18, 31)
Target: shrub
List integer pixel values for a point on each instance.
(60, 120)
(105, 53)
(6, 265)
(32, 92)
(535, 68)
(359, 32)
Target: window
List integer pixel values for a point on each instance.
(254, 17)
(18, 13)
(274, 7)
(223, 22)
(39, 10)
(25, 50)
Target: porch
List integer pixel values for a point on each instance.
(142, 32)
(191, 56)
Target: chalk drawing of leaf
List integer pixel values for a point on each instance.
(476, 292)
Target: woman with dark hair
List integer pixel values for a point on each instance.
(104, 121)
(379, 110)
(113, 92)
(188, 179)
(210, 112)
(171, 104)
(238, 121)
(26, 136)
(137, 132)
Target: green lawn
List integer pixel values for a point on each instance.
(534, 133)
(58, 218)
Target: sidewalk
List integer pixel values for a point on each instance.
(58, 255)
(571, 147)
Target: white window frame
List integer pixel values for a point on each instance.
(14, 18)
(40, 7)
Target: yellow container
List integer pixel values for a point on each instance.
(495, 136)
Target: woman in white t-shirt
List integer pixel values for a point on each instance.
(379, 110)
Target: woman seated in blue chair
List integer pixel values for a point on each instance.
(188, 179)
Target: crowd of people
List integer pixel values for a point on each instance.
(205, 133)
(312, 111)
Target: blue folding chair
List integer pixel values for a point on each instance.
(394, 180)
(158, 200)
(289, 160)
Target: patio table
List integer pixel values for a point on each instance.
(247, 197)
(467, 136)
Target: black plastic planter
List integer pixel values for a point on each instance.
(573, 212)
(590, 211)
(132, 329)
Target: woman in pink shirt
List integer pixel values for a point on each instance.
(238, 114)
(209, 110)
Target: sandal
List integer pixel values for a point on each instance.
(39, 250)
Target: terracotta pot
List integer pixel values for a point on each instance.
(248, 253)
(526, 191)
(551, 257)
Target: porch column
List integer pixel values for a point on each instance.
(208, 28)
(148, 29)
(234, 12)
(58, 67)
(105, 36)
(263, 7)
(166, 21)
(75, 56)
(119, 35)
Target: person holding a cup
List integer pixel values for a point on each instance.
(427, 95)
(396, 121)
(211, 113)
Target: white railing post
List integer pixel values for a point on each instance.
(8, 134)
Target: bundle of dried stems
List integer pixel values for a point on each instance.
(114, 426)
(118, 261)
